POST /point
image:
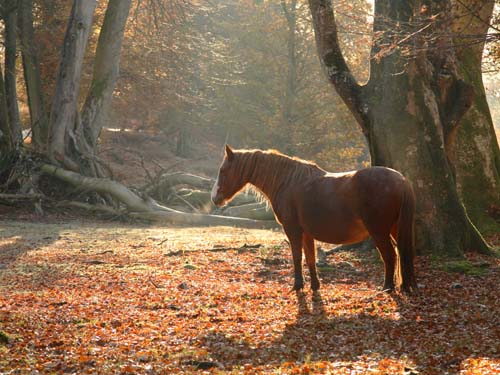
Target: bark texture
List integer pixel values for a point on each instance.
(6, 139)
(290, 11)
(10, 36)
(476, 156)
(38, 115)
(106, 68)
(63, 115)
(409, 109)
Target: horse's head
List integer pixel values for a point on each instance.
(229, 180)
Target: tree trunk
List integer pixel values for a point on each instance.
(10, 32)
(63, 115)
(182, 148)
(257, 211)
(290, 12)
(106, 67)
(38, 115)
(6, 139)
(476, 156)
(408, 110)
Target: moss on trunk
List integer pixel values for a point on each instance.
(477, 156)
(406, 134)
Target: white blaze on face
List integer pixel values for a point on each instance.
(215, 189)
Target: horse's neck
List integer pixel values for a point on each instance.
(271, 175)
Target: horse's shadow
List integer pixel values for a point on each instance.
(344, 339)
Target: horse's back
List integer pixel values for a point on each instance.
(337, 207)
(378, 185)
(379, 194)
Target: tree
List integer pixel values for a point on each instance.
(63, 114)
(265, 86)
(73, 134)
(6, 138)
(70, 140)
(10, 36)
(106, 67)
(476, 155)
(410, 108)
(39, 120)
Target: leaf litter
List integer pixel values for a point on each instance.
(95, 297)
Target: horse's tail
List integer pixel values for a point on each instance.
(406, 238)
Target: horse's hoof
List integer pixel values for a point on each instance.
(409, 290)
(315, 286)
(298, 286)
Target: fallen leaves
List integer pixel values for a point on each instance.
(139, 311)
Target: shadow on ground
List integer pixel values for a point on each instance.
(420, 336)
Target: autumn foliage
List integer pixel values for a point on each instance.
(93, 297)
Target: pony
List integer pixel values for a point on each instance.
(339, 208)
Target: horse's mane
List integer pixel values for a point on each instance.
(271, 170)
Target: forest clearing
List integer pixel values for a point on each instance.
(80, 296)
(127, 127)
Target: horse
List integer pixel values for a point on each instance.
(339, 208)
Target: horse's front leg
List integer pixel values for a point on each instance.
(310, 252)
(295, 238)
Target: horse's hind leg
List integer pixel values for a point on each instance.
(310, 252)
(388, 254)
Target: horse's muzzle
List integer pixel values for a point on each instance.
(218, 200)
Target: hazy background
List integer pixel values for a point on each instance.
(195, 75)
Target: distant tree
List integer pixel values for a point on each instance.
(266, 87)
(6, 136)
(65, 146)
(39, 121)
(10, 12)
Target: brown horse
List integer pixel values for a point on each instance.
(337, 208)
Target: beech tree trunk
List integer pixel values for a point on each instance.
(38, 115)
(290, 11)
(409, 109)
(6, 139)
(476, 156)
(106, 67)
(63, 115)
(10, 35)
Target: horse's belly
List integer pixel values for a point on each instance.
(347, 236)
(343, 231)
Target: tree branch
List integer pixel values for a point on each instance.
(334, 63)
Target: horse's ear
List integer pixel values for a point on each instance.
(229, 153)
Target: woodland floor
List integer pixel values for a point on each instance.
(108, 298)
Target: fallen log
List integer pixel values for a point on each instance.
(26, 196)
(256, 211)
(170, 180)
(147, 208)
(242, 198)
(195, 198)
(201, 199)
(193, 219)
